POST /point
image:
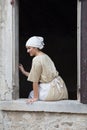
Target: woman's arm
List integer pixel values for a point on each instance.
(35, 89)
(36, 93)
(23, 70)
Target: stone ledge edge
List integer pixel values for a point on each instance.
(64, 106)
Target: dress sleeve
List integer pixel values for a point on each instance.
(35, 72)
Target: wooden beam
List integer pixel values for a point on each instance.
(84, 52)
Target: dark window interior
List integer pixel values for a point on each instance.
(56, 21)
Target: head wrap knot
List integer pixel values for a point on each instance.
(35, 41)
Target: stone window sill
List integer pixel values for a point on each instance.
(64, 106)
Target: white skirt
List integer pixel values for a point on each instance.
(54, 90)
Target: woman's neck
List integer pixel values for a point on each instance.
(39, 53)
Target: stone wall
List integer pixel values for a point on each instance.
(60, 115)
(5, 50)
(42, 121)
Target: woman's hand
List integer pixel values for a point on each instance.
(21, 68)
(31, 100)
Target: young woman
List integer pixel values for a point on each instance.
(47, 84)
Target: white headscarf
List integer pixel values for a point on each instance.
(35, 41)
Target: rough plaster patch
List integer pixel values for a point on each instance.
(44, 121)
(54, 121)
(27, 116)
(5, 90)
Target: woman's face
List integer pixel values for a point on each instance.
(31, 50)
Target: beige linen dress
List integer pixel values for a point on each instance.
(51, 85)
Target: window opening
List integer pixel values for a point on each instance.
(56, 21)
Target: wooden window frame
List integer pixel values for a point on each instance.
(83, 90)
